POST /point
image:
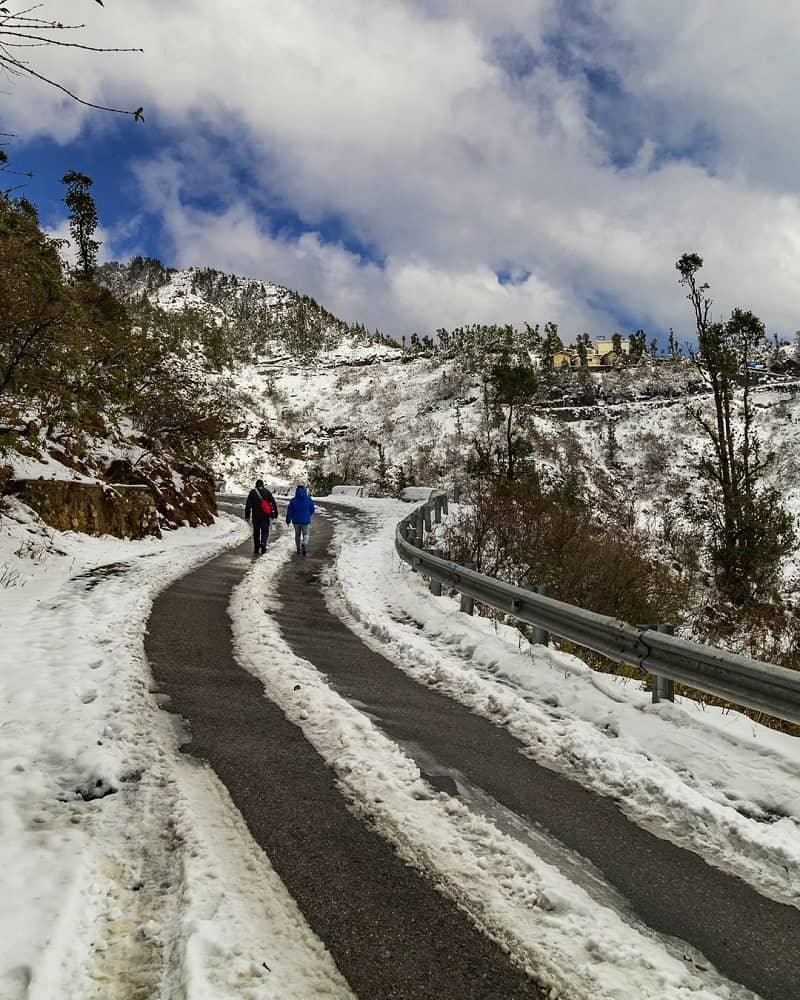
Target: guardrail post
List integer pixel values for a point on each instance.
(426, 513)
(467, 602)
(663, 689)
(540, 637)
(435, 586)
(420, 526)
(437, 509)
(443, 501)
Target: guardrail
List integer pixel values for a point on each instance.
(764, 687)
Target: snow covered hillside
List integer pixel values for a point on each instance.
(327, 394)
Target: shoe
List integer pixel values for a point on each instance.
(263, 549)
(303, 549)
(256, 553)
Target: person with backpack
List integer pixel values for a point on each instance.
(299, 512)
(261, 507)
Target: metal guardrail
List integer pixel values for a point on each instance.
(753, 684)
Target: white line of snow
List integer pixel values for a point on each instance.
(550, 925)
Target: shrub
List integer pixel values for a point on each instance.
(529, 531)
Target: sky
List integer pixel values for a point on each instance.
(414, 164)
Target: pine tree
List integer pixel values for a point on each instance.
(551, 345)
(513, 386)
(638, 345)
(82, 221)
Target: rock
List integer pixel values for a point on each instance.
(90, 508)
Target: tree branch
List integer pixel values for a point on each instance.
(18, 29)
(137, 115)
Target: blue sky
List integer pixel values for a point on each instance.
(423, 163)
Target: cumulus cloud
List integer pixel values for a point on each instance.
(462, 140)
(399, 295)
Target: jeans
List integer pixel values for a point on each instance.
(301, 533)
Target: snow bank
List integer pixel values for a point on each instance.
(125, 866)
(707, 779)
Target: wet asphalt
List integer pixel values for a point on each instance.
(390, 932)
(393, 935)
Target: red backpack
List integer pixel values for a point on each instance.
(267, 508)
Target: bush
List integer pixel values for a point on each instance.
(84, 361)
(321, 483)
(528, 531)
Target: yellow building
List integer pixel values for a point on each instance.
(607, 346)
(601, 355)
(566, 359)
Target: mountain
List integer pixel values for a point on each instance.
(328, 401)
(262, 316)
(211, 372)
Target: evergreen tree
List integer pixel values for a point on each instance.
(638, 345)
(551, 345)
(583, 350)
(82, 221)
(513, 386)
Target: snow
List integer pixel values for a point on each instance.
(418, 493)
(547, 921)
(127, 864)
(708, 779)
(45, 467)
(344, 491)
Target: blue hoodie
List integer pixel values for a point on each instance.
(301, 507)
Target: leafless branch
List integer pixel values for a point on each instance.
(19, 29)
(63, 45)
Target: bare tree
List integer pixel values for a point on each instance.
(23, 28)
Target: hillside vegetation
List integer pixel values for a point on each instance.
(600, 483)
(98, 389)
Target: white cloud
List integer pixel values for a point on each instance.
(396, 118)
(400, 296)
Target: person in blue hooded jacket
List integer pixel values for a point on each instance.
(299, 513)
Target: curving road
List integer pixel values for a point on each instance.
(391, 933)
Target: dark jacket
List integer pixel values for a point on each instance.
(253, 506)
(301, 507)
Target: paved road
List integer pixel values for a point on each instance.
(751, 939)
(391, 933)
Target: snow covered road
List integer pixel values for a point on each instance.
(133, 874)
